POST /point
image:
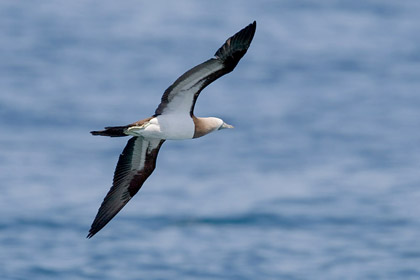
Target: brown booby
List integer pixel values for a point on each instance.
(173, 119)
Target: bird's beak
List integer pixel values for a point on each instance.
(225, 125)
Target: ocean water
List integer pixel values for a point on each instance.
(319, 179)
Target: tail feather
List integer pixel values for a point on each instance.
(112, 131)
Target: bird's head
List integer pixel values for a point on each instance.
(204, 126)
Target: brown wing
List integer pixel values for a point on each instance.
(183, 93)
(136, 163)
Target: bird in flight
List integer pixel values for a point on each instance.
(173, 119)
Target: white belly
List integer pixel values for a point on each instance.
(169, 127)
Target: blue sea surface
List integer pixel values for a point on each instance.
(319, 179)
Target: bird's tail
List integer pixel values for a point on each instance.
(112, 131)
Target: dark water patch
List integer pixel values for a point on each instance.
(45, 224)
(410, 254)
(44, 272)
(378, 8)
(310, 201)
(13, 117)
(407, 274)
(271, 221)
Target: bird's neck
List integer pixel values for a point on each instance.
(204, 126)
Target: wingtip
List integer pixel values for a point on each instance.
(252, 25)
(252, 28)
(236, 46)
(90, 234)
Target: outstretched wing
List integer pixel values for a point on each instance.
(181, 96)
(136, 163)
